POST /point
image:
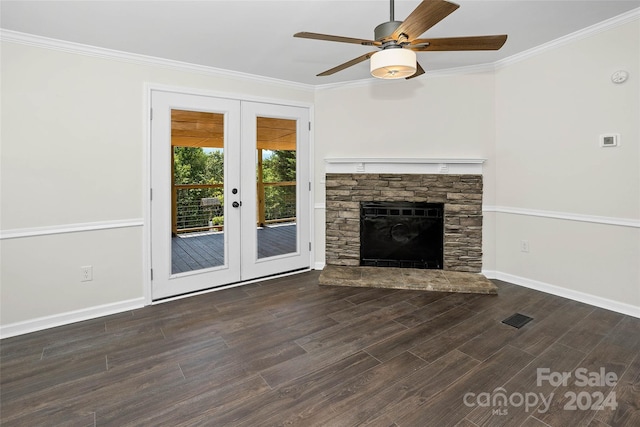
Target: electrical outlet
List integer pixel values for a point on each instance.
(524, 246)
(86, 273)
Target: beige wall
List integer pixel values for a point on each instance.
(40, 275)
(432, 117)
(537, 121)
(551, 109)
(73, 148)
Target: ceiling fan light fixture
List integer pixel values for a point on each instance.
(396, 63)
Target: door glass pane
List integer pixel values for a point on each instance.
(197, 191)
(276, 186)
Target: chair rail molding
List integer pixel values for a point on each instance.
(568, 216)
(17, 233)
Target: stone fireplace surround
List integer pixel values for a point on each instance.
(457, 183)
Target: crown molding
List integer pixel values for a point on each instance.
(600, 27)
(592, 30)
(78, 48)
(134, 58)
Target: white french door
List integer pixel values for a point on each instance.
(230, 191)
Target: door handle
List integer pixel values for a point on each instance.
(236, 204)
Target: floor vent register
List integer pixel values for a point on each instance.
(517, 320)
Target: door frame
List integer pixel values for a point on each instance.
(146, 176)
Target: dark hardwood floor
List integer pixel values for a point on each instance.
(288, 352)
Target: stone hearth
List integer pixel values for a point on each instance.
(407, 278)
(456, 183)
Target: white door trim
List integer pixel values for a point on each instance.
(146, 165)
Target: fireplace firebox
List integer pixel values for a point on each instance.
(402, 234)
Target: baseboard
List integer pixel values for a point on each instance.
(619, 307)
(46, 322)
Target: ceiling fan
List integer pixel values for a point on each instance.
(398, 42)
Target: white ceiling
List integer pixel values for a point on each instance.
(256, 37)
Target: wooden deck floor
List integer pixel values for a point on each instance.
(290, 352)
(206, 250)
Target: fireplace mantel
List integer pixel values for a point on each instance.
(404, 165)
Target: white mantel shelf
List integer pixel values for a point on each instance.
(404, 165)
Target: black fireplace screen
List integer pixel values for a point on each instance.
(401, 234)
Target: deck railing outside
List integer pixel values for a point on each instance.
(200, 207)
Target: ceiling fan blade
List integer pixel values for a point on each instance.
(327, 37)
(426, 15)
(347, 64)
(419, 72)
(459, 43)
